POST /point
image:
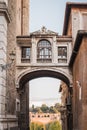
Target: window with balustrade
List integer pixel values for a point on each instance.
(25, 55)
(62, 54)
(44, 51)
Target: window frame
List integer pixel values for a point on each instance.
(44, 51)
(62, 58)
(84, 26)
(25, 54)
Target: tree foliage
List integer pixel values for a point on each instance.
(53, 110)
(50, 126)
(54, 126)
(45, 109)
(37, 126)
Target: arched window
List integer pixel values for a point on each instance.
(44, 52)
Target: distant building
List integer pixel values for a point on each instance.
(44, 117)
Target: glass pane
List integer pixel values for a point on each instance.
(26, 52)
(62, 52)
(44, 49)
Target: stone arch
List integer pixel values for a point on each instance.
(44, 39)
(23, 88)
(29, 74)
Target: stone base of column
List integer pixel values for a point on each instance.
(9, 123)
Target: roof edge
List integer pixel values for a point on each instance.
(78, 41)
(69, 5)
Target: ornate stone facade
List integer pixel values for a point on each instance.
(33, 63)
(38, 54)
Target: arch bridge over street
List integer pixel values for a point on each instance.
(41, 54)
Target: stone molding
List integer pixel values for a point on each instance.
(4, 11)
(44, 31)
(26, 71)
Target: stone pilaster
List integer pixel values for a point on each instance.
(33, 52)
(54, 49)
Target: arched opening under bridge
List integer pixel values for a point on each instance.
(23, 91)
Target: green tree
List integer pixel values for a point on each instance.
(33, 107)
(57, 106)
(38, 110)
(54, 126)
(44, 108)
(32, 126)
(37, 126)
(53, 110)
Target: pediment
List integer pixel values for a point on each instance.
(44, 31)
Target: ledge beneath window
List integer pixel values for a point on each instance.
(62, 60)
(25, 60)
(40, 60)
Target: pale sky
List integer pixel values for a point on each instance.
(44, 90)
(48, 13)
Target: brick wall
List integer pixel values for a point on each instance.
(80, 74)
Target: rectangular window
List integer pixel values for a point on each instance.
(26, 53)
(62, 54)
(84, 15)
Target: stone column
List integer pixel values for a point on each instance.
(18, 55)
(25, 17)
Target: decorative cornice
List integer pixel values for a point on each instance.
(4, 11)
(64, 38)
(44, 31)
(23, 39)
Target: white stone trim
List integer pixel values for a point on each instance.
(58, 70)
